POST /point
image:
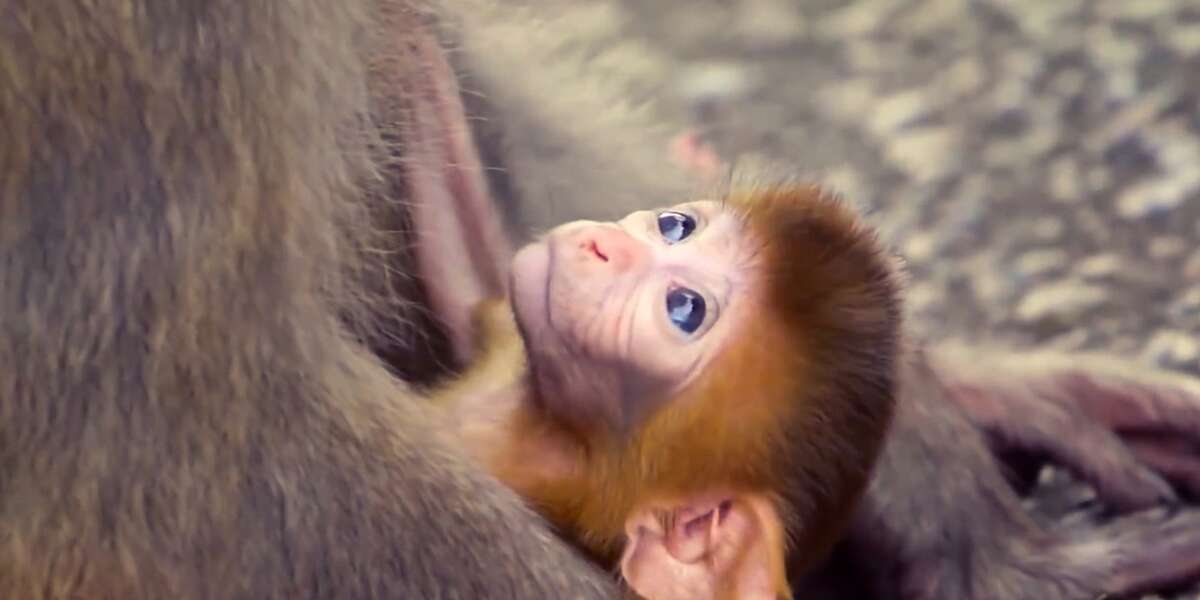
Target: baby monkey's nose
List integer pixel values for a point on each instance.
(595, 249)
(611, 246)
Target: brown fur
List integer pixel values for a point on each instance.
(183, 411)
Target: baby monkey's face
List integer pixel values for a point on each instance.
(616, 314)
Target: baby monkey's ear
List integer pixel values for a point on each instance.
(708, 547)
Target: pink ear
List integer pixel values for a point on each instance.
(709, 548)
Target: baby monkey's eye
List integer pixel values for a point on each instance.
(686, 309)
(675, 226)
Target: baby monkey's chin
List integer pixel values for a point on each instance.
(529, 282)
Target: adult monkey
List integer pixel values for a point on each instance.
(183, 411)
(939, 521)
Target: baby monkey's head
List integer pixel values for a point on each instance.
(746, 344)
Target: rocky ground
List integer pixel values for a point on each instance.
(1036, 161)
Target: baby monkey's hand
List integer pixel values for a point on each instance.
(494, 329)
(709, 547)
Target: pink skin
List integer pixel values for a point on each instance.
(597, 291)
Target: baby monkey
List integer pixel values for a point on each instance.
(697, 394)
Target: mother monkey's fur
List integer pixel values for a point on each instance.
(184, 412)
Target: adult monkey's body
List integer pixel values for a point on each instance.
(183, 413)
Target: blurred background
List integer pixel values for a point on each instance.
(1037, 162)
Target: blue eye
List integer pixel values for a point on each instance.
(674, 226)
(686, 309)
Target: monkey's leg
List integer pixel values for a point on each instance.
(1148, 553)
(1112, 422)
(1176, 458)
(940, 522)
